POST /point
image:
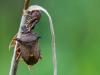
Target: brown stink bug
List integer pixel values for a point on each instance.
(28, 48)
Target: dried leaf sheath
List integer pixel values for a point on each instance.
(32, 18)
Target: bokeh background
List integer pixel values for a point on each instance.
(77, 29)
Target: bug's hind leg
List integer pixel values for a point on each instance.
(18, 53)
(30, 67)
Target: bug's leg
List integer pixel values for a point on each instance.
(30, 67)
(13, 42)
(40, 56)
(18, 53)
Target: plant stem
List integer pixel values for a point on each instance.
(26, 4)
(14, 62)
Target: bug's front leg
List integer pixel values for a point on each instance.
(13, 42)
(18, 53)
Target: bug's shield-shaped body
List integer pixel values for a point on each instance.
(29, 48)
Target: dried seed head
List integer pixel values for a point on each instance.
(32, 18)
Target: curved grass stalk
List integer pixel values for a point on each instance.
(36, 7)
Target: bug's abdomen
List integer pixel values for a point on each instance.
(30, 55)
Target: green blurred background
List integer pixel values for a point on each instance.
(77, 29)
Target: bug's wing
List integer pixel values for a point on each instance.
(13, 42)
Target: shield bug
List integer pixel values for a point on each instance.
(28, 48)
